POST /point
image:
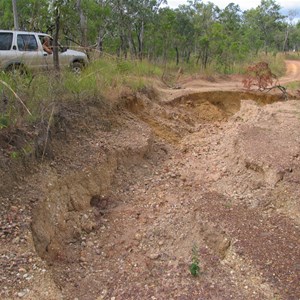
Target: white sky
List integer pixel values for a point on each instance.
(285, 4)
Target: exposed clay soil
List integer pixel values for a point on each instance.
(129, 191)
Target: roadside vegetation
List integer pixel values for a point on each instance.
(25, 98)
(201, 35)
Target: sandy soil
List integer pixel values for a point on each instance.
(208, 171)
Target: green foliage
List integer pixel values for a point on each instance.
(15, 155)
(196, 33)
(292, 55)
(4, 121)
(293, 85)
(111, 73)
(33, 15)
(194, 266)
(40, 92)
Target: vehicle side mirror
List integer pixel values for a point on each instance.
(64, 49)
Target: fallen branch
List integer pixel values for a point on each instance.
(280, 87)
(15, 94)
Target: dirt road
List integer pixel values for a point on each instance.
(293, 72)
(206, 174)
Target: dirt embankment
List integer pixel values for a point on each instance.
(129, 195)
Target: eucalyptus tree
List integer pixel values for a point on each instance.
(100, 21)
(290, 28)
(184, 33)
(265, 25)
(33, 15)
(204, 17)
(294, 40)
(230, 36)
(15, 13)
(63, 20)
(131, 19)
(142, 14)
(6, 15)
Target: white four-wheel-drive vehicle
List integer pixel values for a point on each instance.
(24, 50)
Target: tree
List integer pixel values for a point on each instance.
(184, 33)
(266, 23)
(205, 15)
(15, 12)
(139, 28)
(33, 15)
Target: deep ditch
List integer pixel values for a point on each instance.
(60, 218)
(75, 205)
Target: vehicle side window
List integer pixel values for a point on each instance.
(42, 39)
(5, 40)
(27, 42)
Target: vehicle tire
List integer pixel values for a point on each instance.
(77, 67)
(16, 69)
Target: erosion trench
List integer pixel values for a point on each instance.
(212, 176)
(71, 202)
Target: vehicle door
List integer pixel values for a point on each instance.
(48, 62)
(63, 54)
(29, 53)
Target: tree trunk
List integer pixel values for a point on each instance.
(132, 46)
(285, 38)
(15, 12)
(124, 45)
(188, 57)
(140, 37)
(177, 56)
(55, 39)
(83, 24)
(100, 40)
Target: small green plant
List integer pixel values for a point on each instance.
(194, 266)
(14, 155)
(4, 121)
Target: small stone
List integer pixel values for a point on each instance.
(22, 270)
(14, 208)
(82, 259)
(16, 240)
(22, 293)
(90, 244)
(154, 256)
(138, 237)
(103, 294)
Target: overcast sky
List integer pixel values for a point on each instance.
(285, 4)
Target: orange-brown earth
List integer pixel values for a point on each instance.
(129, 193)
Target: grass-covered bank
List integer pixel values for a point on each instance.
(32, 102)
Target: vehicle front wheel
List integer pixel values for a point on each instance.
(77, 67)
(16, 69)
